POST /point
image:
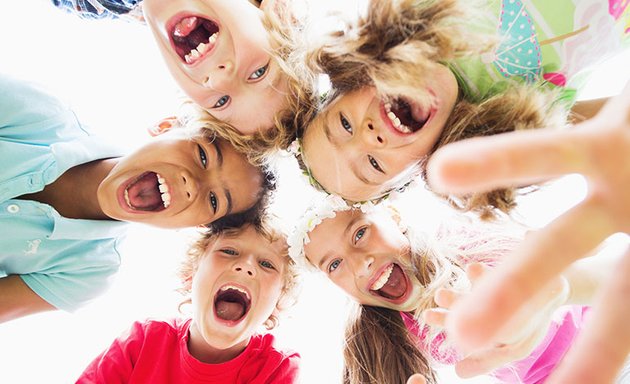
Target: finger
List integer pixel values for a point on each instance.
(602, 348)
(481, 363)
(511, 159)
(475, 271)
(445, 298)
(435, 317)
(417, 379)
(479, 316)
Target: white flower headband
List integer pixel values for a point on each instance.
(327, 209)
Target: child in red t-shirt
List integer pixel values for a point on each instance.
(238, 279)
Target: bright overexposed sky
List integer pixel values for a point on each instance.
(112, 75)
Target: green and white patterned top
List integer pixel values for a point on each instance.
(556, 42)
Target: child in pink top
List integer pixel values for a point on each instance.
(398, 278)
(239, 280)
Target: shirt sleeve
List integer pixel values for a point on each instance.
(287, 371)
(115, 364)
(101, 9)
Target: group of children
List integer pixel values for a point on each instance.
(407, 77)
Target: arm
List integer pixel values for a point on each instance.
(597, 148)
(102, 9)
(18, 300)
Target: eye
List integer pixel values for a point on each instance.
(375, 164)
(202, 156)
(266, 264)
(259, 73)
(358, 235)
(214, 202)
(221, 102)
(345, 124)
(334, 265)
(230, 252)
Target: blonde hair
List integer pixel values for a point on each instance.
(285, 37)
(378, 346)
(271, 232)
(399, 41)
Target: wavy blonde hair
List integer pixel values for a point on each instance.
(285, 34)
(270, 231)
(398, 42)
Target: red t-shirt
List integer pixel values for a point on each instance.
(156, 352)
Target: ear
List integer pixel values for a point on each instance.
(272, 321)
(164, 125)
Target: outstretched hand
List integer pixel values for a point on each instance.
(599, 149)
(517, 340)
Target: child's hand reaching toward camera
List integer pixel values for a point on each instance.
(517, 340)
(599, 149)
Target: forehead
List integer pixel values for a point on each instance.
(335, 164)
(267, 98)
(250, 239)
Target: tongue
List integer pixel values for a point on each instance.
(396, 285)
(185, 26)
(144, 193)
(228, 310)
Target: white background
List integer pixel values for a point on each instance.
(112, 75)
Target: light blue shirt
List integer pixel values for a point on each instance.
(65, 261)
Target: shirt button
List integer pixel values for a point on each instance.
(13, 208)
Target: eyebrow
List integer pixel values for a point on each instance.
(361, 176)
(228, 195)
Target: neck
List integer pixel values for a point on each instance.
(201, 350)
(73, 194)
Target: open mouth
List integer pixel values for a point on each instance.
(193, 37)
(147, 192)
(392, 284)
(231, 304)
(406, 116)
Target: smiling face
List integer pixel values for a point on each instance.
(176, 182)
(218, 53)
(235, 289)
(361, 144)
(365, 255)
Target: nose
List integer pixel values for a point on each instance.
(190, 185)
(372, 136)
(362, 265)
(245, 265)
(220, 76)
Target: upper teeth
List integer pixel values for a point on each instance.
(236, 289)
(378, 284)
(201, 48)
(395, 120)
(166, 197)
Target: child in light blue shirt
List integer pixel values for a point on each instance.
(65, 195)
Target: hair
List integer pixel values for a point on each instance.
(285, 38)
(266, 227)
(378, 346)
(397, 42)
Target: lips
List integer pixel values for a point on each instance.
(391, 283)
(147, 192)
(405, 116)
(193, 37)
(231, 304)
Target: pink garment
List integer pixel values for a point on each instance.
(535, 368)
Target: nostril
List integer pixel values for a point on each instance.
(380, 139)
(238, 268)
(221, 66)
(188, 194)
(184, 179)
(206, 80)
(250, 273)
(370, 126)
